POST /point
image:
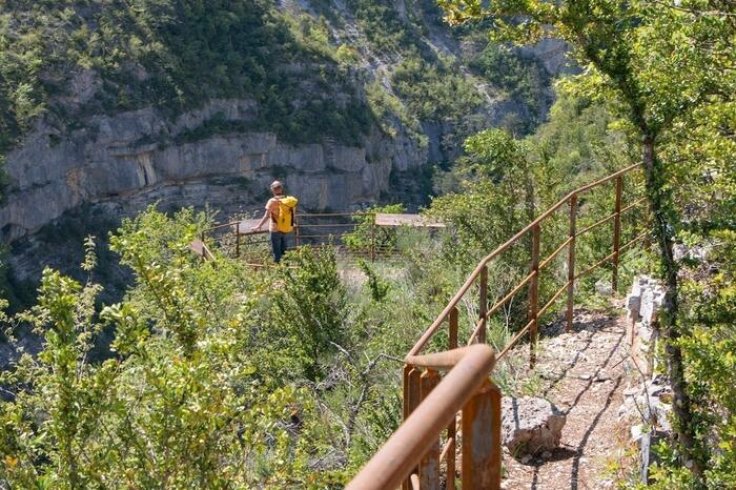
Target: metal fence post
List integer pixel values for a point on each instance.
(616, 233)
(412, 398)
(452, 428)
(237, 239)
(482, 440)
(296, 229)
(571, 261)
(483, 307)
(534, 295)
(373, 238)
(429, 466)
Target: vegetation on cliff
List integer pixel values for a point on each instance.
(221, 377)
(307, 69)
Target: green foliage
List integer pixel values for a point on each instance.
(522, 78)
(493, 193)
(194, 395)
(310, 305)
(710, 349)
(174, 55)
(435, 91)
(385, 31)
(378, 287)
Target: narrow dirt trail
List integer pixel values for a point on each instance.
(583, 374)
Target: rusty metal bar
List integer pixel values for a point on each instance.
(499, 304)
(500, 249)
(451, 445)
(223, 225)
(405, 384)
(604, 179)
(415, 395)
(332, 215)
(514, 340)
(454, 323)
(610, 256)
(257, 232)
(596, 224)
(483, 305)
(207, 253)
(373, 241)
(429, 466)
(616, 233)
(534, 295)
(633, 241)
(554, 254)
(481, 446)
(571, 262)
(594, 266)
(414, 398)
(633, 205)
(551, 301)
(405, 448)
(330, 225)
(237, 239)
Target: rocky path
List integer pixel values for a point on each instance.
(583, 374)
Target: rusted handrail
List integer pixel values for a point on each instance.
(312, 229)
(409, 444)
(412, 455)
(475, 274)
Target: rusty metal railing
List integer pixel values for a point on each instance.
(410, 457)
(537, 265)
(414, 452)
(313, 229)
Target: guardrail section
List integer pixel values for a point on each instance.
(413, 456)
(415, 450)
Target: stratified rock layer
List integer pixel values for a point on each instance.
(135, 158)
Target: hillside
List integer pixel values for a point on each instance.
(107, 108)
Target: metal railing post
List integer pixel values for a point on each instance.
(452, 428)
(296, 229)
(412, 398)
(373, 239)
(616, 233)
(534, 295)
(571, 261)
(237, 239)
(483, 307)
(429, 466)
(482, 440)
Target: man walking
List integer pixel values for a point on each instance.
(280, 215)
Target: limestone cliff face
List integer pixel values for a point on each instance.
(112, 159)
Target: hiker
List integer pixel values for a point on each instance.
(280, 209)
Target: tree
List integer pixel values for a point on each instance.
(656, 64)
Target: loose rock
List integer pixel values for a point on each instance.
(531, 425)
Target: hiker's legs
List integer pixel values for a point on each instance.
(278, 245)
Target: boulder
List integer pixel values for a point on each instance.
(531, 425)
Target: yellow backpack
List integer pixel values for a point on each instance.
(285, 217)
